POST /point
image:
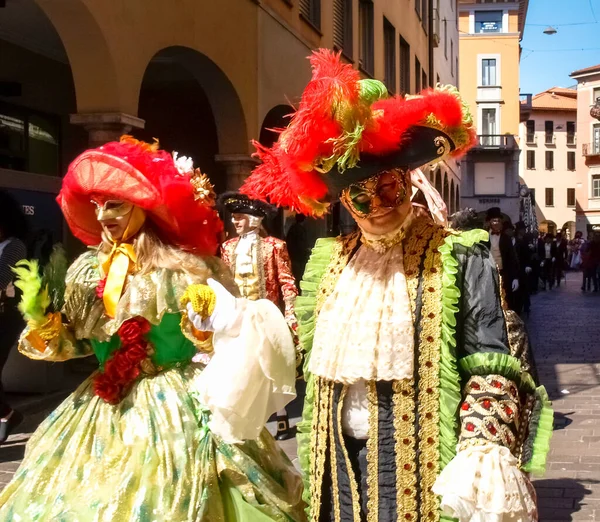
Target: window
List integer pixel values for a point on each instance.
(488, 21)
(418, 7)
(570, 133)
(452, 57)
(549, 129)
(571, 160)
(404, 66)
(342, 26)
(595, 94)
(365, 36)
(417, 76)
(549, 160)
(310, 10)
(424, 83)
(445, 38)
(531, 159)
(570, 197)
(549, 197)
(596, 135)
(488, 72)
(530, 137)
(596, 186)
(389, 55)
(489, 130)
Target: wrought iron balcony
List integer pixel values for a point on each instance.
(496, 141)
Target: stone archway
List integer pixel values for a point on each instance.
(548, 227)
(276, 119)
(191, 106)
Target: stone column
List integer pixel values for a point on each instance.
(237, 168)
(106, 126)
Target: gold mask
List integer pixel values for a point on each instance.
(380, 190)
(112, 209)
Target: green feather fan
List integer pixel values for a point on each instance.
(34, 300)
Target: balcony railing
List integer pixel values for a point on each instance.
(496, 141)
(549, 139)
(531, 139)
(571, 140)
(591, 149)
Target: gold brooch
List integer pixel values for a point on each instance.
(203, 188)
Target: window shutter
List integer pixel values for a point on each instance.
(338, 24)
(305, 8)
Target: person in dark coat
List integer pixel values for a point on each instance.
(505, 257)
(548, 253)
(524, 255)
(562, 252)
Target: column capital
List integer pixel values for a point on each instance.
(106, 126)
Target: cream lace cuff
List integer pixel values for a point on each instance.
(484, 484)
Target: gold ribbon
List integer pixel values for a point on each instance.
(120, 262)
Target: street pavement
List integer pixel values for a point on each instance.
(565, 331)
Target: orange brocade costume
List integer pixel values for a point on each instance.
(275, 281)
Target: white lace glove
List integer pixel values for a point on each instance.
(226, 315)
(528, 270)
(515, 285)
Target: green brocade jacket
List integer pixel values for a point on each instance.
(462, 335)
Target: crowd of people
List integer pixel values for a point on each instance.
(531, 261)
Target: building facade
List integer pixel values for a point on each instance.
(490, 33)
(548, 166)
(446, 175)
(588, 149)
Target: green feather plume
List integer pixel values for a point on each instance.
(34, 300)
(55, 273)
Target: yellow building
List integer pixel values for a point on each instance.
(490, 32)
(204, 77)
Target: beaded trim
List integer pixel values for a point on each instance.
(333, 457)
(319, 444)
(490, 412)
(373, 454)
(404, 391)
(429, 376)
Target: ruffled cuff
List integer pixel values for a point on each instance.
(484, 484)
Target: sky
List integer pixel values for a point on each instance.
(547, 61)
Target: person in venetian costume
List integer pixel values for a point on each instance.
(152, 435)
(260, 265)
(419, 406)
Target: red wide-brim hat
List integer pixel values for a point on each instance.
(147, 177)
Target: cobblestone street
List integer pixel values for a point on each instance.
(564, 331)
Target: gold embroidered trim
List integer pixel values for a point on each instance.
(352, 477)
(340, 256)
(404, 391)
(335, 498)
(373, 454)
(429, 379)
(319, 444)
(404, 434)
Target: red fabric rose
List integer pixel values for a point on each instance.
(100, 288)
(136, 352)
(133, 330)
(106, 389)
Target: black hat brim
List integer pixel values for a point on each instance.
(418, 146)
(237, 203)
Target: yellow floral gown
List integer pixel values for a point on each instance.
(152, 456)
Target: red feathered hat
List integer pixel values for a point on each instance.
(179, 203)
(347, 129)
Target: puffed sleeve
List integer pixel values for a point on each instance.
(287, 283)
(484, 481)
